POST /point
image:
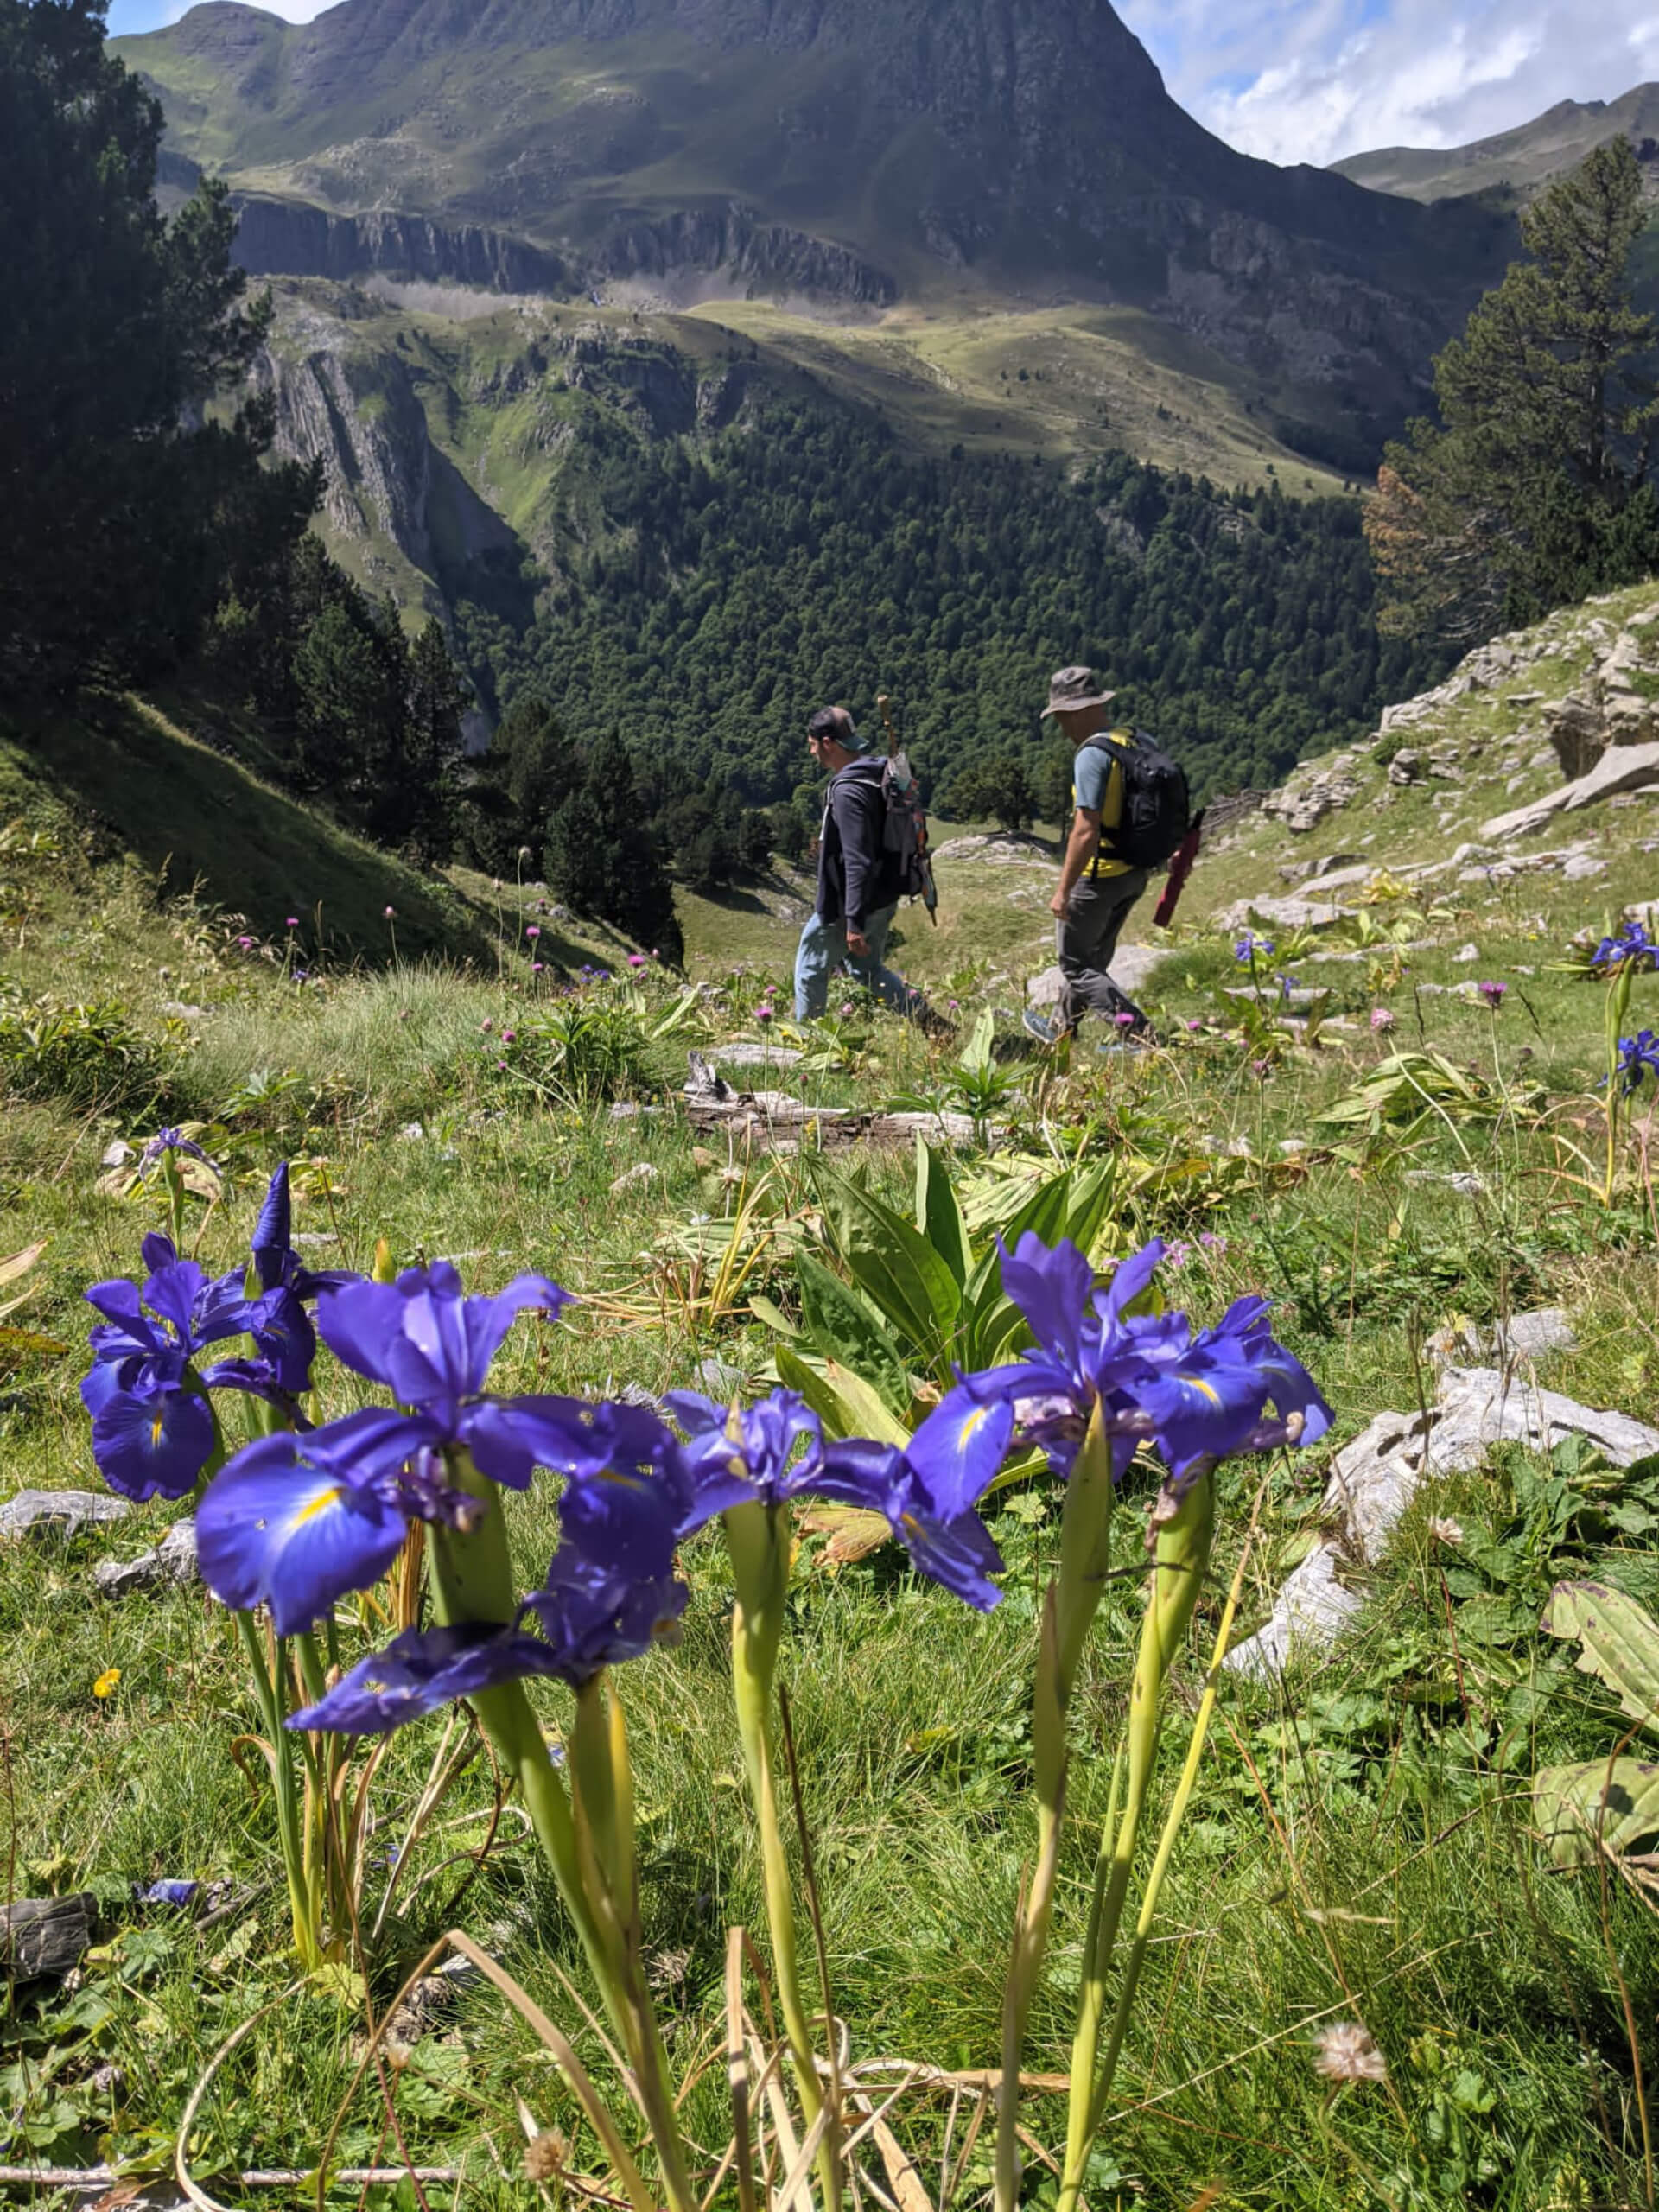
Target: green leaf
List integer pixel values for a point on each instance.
(843, 1401)
(773, 1315)
(843, 1327)
(1620, 1640)
(1617, 1801)
(896, 1267)
(938, 1212)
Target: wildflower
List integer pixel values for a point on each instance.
(636, 960)
(107, 1682)
(166, 1141)
(487, 1025)
(1249, 947)
(1493, 993)
(590, 1619)
(1446, 1531)
(763, 1015)
(1123, 1019)
(153, 1429)
(292, 923)
(509, 1036)
(1381, 1017)
(1261, 1069)
(532, 932)
(1637, 1056)
(847, 1009)
(538, 967)
(1345, 2052)
(1197, 1397)
(295, 1522)
(1193, 1024)
(391, 913)
(1629, 944)
(246, 944)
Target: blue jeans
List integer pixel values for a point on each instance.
(823, 949)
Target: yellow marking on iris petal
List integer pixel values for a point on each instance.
(155, 1426)
(319, 1501)
(972, 1422)
(1196, 1382)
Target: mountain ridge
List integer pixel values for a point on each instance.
(1519, 161)
(1018, 153)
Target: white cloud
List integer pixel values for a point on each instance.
(1310, 80)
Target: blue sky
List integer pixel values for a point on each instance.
(1309, 80)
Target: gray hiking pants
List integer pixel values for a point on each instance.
(1085, 941)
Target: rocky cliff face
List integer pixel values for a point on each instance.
(734, 244)
(287, 238)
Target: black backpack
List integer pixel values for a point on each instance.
(904, 835)
(1157, 806)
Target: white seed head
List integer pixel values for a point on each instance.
(1345, 2052)
(1446, 1531)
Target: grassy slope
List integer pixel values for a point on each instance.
(1360, 1845)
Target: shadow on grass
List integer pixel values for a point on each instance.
(196, 821)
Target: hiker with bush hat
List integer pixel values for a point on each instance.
(859, 881)
(1130, 816)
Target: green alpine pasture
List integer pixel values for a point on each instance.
(1362, 1843)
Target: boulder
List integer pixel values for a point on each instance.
(59, 1512)
(173, 1559)
(1577, 735)
(1479, 1406)
(1625, 767)
(1405, 766)
(1283, 913)
(1313, 1607)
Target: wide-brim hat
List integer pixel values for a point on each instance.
(1071, 687)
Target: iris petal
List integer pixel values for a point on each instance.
(152, 1444)
(276, 1529)
(958, 1449)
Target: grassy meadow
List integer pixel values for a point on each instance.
(1361, 1845)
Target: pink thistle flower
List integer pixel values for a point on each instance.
(1124, 1020)
(538, 967)
(509, 1036)
(847, 1009)
(636, 960)
(391, 910)
(487, 1025)
(1493, 993)
(292, 923)
(763, 1015)
(532, 932)
(1381, 1017)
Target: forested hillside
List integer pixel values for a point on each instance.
(807, 557)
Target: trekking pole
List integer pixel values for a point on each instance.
(882, 702)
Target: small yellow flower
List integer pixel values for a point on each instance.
(106, 1684)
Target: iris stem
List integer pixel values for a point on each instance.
(1182, 1552)
(758, 1540)
(1069, 1608)
(305, 1902)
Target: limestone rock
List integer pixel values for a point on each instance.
(59, 1512)
(1577, 735)
(1529, 1336)
(173, 1559)
(1283, 913)
(1372, 1480)
(1620, 768)
(1405, 766)
(1479, 1406)
(1313, 1607)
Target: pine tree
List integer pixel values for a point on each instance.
(1536, 486)
(128, 515)
(438, 696)
(601, 857)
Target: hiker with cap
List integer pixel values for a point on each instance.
(1131, 815)
(859, 881)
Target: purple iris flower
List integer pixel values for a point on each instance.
(930, 1489)
(734, 1458)
(166, 1141)
(152, 1426)
(275, 1262)
(1193, 1396)
(927, 1490)
(1630, 943)
(592, 1615)
(296, 1521)
(1637, 1056)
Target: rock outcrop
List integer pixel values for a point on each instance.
(289, 238)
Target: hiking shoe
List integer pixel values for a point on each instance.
(1046, 1032)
